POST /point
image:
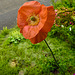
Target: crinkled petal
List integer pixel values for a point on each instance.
(50, 19)
(42, 16)
(30, 7)
(30, 31)
(32, 3)
(21, 19)
(39, 37)
(25, 10)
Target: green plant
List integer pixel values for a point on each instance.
(64, 33)
(68, 3)
(36, 59)
(49, 66)
(15, 37)
(4, 32)
(63, 3)
(65, 16)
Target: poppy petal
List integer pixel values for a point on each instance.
(21, 19)
(30, 31)
(26, 9)
(32, 3)
(39, 37)
(50, 19)
(42, 16)
(30, 7)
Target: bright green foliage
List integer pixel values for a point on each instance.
(65, 16)
(35, 59)
(64, 34)
(64, 27)
(63, 3)
(15, 37)
(4, 31)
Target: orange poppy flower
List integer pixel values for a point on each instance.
(35, 20)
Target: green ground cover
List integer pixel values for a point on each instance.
(19, 55)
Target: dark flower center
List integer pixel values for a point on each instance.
(33, 18)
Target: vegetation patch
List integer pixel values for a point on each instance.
(35, 59)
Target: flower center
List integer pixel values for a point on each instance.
(33, 20)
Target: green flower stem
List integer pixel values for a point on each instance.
(54, 57)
